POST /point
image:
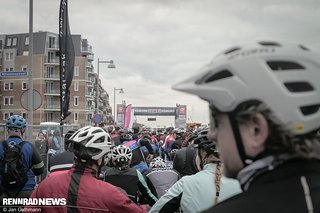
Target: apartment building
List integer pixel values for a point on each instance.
(46, 79)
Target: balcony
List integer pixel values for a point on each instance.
(52, 107)
(52, 92)
(51, 77)
(90, 96)
(90, 57)
(90, 108)
(52, 61)
(90, 84)
(86, 49)
(89, 65)
(53, 46)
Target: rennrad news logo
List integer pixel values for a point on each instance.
(34, 201)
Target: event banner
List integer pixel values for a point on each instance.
(66, 59)
(181, 116)
(121, 109)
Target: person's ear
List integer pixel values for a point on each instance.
(255, 133)
(260, 129)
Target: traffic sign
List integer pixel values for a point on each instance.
(14, 74)
(37, 100)
(97, 118)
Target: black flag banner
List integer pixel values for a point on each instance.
(66, 59)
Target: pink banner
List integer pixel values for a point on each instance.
(127, 117)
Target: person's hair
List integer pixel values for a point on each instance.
(213, 158)
(217, 181)
(280, 140)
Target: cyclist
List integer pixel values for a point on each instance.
(79, 186)
(128, 179)
(139, 161)
(264, 100)
(198, 192)
(31, 159)
(159, 177)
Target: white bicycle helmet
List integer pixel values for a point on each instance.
(121, 153)
(283, 76)
(157, 162)
(90, 143)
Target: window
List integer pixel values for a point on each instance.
(24, 86)
(24, 68)
(49, 116)
(76, 117)
(51, 57)
(1, 44)
(76, 100)
(9, 57)
(8, 86)
(27, 41)
(14, 41)
(5, 116)
(76, 71)
(11, 68)
(7, 100)
(25, 53)
(24, 115)
(9, 42)
(7, 69)
(52, 42)
(76, 86)
(50, 72)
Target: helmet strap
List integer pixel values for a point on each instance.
(236, 132)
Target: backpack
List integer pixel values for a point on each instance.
(12, 171)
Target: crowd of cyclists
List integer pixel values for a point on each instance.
(258, 154)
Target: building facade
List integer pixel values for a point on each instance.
(14, 53)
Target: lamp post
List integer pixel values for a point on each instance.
(111, 65)
(30, 68)
(114, 101)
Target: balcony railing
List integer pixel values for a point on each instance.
(52, 61)
(86, 49)
(53, 45)
(52, 106)
(52, 91)
(89, 65)
(51, 76)
(90, 108)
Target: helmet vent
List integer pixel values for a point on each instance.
(83, 134)
(231, 50)
(217, 76)
(269, 43)
(309, 110)
(299, 86)
(96, 131)
(284, 65)
(100, 140)
(85, 141)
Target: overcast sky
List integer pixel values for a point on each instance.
(157, 43)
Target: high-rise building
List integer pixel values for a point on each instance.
(46, 79)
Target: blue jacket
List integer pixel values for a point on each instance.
(31, 160)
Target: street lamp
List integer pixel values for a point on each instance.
(114, 101)
(110, 65)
